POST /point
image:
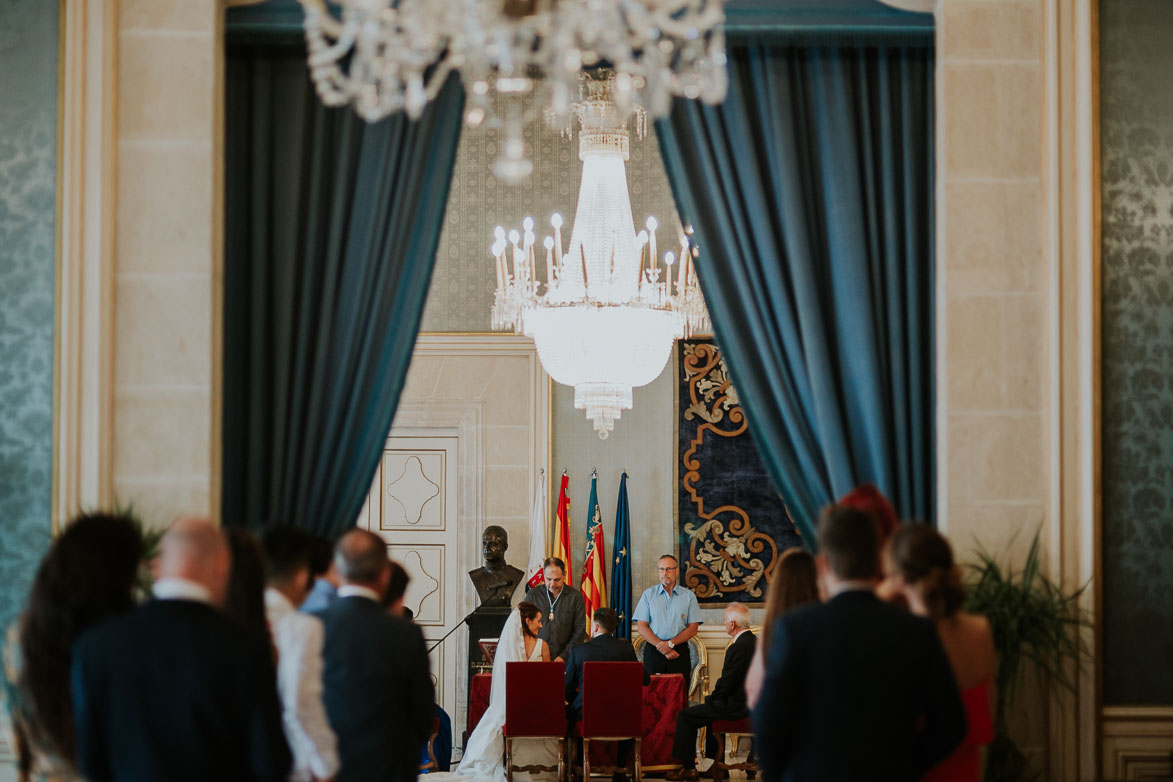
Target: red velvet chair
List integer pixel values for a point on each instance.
(734, 729)
(535, 708)
(612, 710)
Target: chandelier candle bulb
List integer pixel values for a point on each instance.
(548, 243)
(652, 240)
(669, 259)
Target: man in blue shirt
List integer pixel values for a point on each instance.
(667, 616)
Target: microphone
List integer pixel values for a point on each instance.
(453, 630)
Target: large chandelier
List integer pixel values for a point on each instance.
(605, 317)
(391, 55)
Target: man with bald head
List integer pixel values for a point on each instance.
(725, 702)
(176, 690)
(377, 687)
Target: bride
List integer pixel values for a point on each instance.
(484, 752)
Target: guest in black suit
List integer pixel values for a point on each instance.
(377, 688)
(727, 700)
(176, 690)
(855, 688)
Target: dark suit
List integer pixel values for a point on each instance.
(856, 689)
(377, 690)
(177, 691)
(726, 702)
(604, 648)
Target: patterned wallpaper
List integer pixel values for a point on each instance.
(28, 137)
(464, 279)
(1137, 186)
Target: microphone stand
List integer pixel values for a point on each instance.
(453, 630)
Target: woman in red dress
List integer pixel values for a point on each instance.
(920, 566)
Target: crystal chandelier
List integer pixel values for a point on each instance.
(606, 316)
(391, 55)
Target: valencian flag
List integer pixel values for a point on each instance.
(562, 533)
(621, 572)
(539, 533)
(594, 570)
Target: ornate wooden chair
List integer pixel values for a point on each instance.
(534, 708)
(612, 710)
(698, 683)
(736, 730)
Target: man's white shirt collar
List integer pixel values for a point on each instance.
(354, 590)
(739, 633)
(864, 585)
(181, 589)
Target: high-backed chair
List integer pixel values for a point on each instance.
(612, 710)
(698, 682)
(534, 708)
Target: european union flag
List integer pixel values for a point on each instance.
(621, 572)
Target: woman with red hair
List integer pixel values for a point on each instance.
(871, 500)
(868, 498)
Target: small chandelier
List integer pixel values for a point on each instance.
(394, 55)
(606, 316)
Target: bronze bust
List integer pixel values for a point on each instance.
(497, 580)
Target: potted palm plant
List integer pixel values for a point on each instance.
(1035, 623)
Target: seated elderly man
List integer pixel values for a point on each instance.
(726, 702)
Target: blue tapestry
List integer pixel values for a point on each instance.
(732, 524)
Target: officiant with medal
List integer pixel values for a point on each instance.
(563, 608)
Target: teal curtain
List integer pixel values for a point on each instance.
(810, 190)
(331, 231)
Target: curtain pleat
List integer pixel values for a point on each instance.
(810, 192)
(332, 226)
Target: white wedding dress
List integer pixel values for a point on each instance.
(484, 755)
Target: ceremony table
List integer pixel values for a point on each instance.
(662, 701)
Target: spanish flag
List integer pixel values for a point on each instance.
(562, 534)
(594, 572)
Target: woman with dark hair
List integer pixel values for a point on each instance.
(536, 649)
(920, 564)
(793, 584)
(245, 601)
(88, 576)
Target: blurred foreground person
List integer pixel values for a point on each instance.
(176, 690)
(795, 583)
(325, 587)
(920, 565)
(245, 598)
(87, 576)
(299, 638)
(855, 688)
(378, 690)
